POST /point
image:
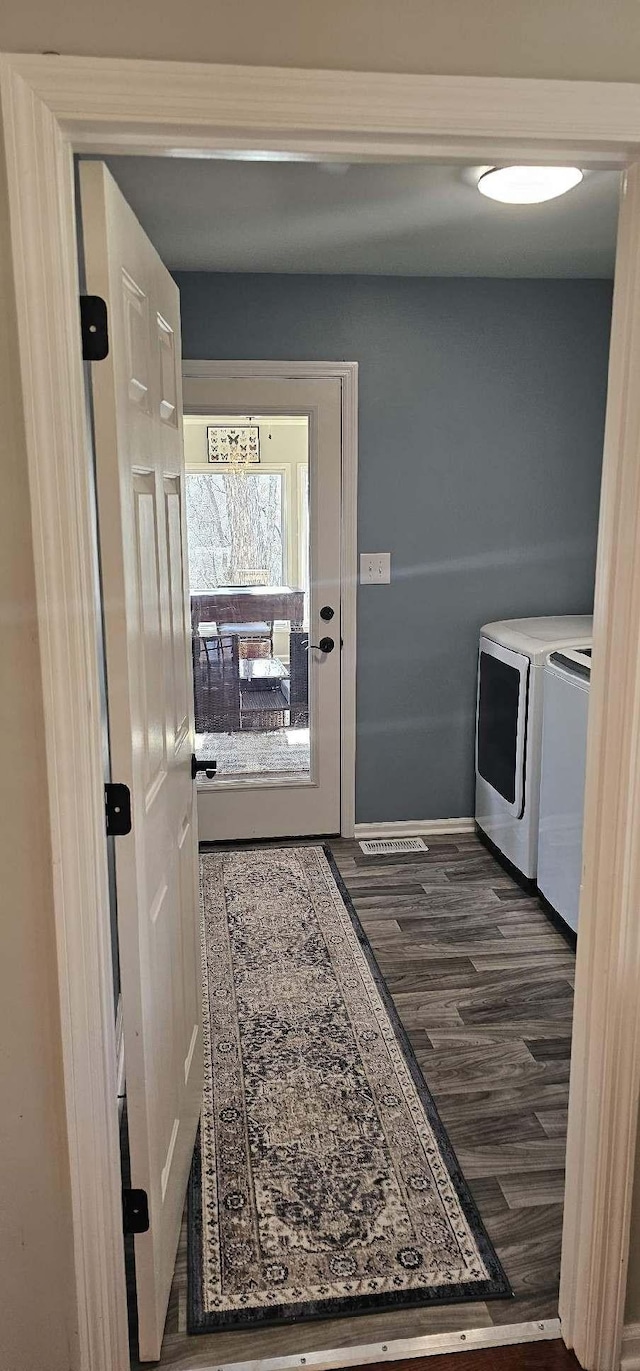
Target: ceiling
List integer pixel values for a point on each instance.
(369, 218)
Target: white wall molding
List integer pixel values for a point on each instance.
(416, 828)
(274, 421)
(111, 104)
(53, 105)
(630, 1360)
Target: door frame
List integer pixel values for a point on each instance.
(54, 105)
(347, 374)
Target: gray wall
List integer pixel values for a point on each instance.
(481, 422)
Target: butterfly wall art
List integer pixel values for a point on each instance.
(239, 446)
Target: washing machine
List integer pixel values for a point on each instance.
(567, 680)
(511, 662)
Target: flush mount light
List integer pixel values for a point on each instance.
(528, 185)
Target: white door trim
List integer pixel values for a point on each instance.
(54, 104)
(62, 526)
(605, 1063)
(130, 105)
(347, 374)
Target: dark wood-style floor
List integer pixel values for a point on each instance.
(484, 987)
(532, 1356)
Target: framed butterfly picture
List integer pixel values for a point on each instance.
(238, 446)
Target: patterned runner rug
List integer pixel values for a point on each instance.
(324, 1182)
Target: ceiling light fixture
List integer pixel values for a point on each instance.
(528, 185)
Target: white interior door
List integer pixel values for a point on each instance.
(278, 770)
(140, 479)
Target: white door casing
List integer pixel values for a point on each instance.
(140, 479)
(273, 806)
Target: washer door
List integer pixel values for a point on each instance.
(501, 731)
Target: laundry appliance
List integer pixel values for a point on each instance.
(511, 663)
(567, 679)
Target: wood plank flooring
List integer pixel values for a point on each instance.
(484, 987)
(532, 1356)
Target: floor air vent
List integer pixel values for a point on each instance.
(380, 846)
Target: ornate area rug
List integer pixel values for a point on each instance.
(324, 1182)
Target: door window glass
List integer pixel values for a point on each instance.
(249, 553)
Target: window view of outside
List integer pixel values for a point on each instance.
(235, 529)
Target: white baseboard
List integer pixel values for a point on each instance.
(417, 828)
(630, 1360)
(398, 1349)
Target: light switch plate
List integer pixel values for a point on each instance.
(375, 568)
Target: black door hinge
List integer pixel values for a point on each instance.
(95, 332)
(117, 803)
(135, 1211)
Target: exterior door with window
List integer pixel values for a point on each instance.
(263, 498)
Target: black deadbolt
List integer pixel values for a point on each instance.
(327, 612)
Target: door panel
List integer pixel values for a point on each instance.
(148, 636)
(179, 682)
(277, 746)
(140, 484)
(168, 372)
